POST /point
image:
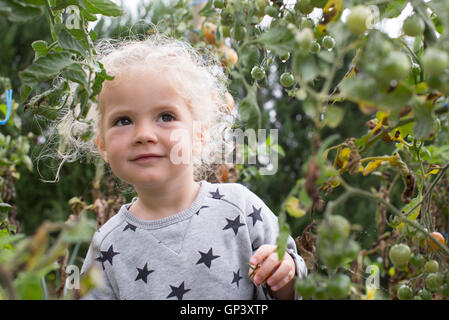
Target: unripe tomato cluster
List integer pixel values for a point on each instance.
(435, 279)
(335, 248)
(317, 287)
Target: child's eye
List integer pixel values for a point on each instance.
(122, 121)
(166, 117)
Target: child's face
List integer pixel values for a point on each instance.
(143, 114)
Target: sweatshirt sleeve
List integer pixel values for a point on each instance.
(264, 229)
(106, 291)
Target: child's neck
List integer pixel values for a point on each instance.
(165, 201)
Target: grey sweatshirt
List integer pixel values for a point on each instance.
(199, 253)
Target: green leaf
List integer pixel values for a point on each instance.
(392, 9)
(284, 233)
(28, 286)
(35, 2)
(45, 68)
(100, 77)
(5, 207)
(104, 7)
(61, 4)
(75, 73)
(280, 40)
(68, 42)
(249, 109)
(304, 67)
(333, 116)
(80, 231)
(47, 112)
(19, 12)
(363, 90)
(208, 10)
(424, 120)
(9, 239)
(40, 47)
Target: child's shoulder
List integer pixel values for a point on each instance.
(110, 226)
(231, 190)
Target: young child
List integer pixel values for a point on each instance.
(181, 237)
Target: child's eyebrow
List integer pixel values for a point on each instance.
(127, 111)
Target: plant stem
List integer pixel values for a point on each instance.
(51, 20)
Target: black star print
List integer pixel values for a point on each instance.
(207, 258)
(130, 226)
(254, 247)
(107, 256)
(237, 277)
(178, 292)
(143, 273)
(216, 195)
(256, 215)
(234, 224)
(202, 207)
(265, 292)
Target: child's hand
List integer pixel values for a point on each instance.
(269, 269)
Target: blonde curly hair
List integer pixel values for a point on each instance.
(198, 78)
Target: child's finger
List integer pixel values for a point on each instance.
(284, 273)
(267, 267)
(262, 253)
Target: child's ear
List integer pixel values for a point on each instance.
(101, 147)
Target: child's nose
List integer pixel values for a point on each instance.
(145, 133)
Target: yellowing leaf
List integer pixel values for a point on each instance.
(433, 170)
(330, 13)
(294, 207)
(343, 157)
(371, 166)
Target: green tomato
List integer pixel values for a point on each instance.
(238, 32)
(351, 249)
(332, 258)
(307, 23)
(431, 266)
(413, 26)
(285, 57)
(258, 73)
(445, 290)
(417, 260)
(304, 6)
(396, 66)
(435, 61)
(271, 11)
(305, 287)
(315, 47)
(405, 292)
(400, 255)
(321, 292)
(339, 287)
(328, 42)
(433, 281)
(358, 19)
(226, 30)
(287, 79)
(226, 17)
(304, 39)
(424, 294)
(261, 5)
(335, 229)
